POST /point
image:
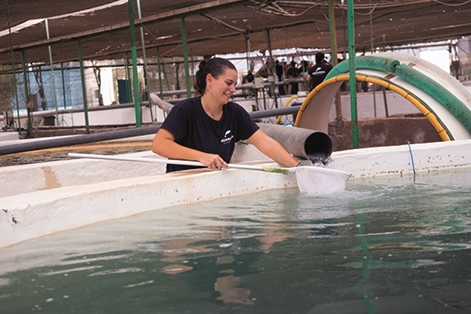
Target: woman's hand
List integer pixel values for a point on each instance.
(164, 145)
(212, 161)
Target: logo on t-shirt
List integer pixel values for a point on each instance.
(318, 71)
(227, 137)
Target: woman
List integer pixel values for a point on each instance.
(206, 128)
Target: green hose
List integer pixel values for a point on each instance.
(441, 94)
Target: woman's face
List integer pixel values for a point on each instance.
(221, 89)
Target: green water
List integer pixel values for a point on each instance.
(385, 245)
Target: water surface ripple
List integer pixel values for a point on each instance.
(385, 245)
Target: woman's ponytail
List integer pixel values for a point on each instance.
(200, 84)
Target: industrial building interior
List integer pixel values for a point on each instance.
(375, 219)
(218, 27)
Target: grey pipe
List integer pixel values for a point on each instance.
(166, 107)
(162, 104)
(79, 139)
(305, 143)
(274, 112)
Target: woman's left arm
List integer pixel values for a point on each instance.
(272, 149)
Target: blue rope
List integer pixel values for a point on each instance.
(411, 157)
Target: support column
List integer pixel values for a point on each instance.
(84, 90)
(160, 74)
(52, 72)
(372, 52)
(28, 103)
(333, 47)
(353, 80)
(270, 66)
(135, 79)
(128, 80)
(63, 86)
(185, 57)
(16, 92)
(42, 95)
(144, 55)
(13, 67)
(247, 44)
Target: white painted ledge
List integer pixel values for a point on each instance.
(71, 194)
(36, 214)
(374, 161)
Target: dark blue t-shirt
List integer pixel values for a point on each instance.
(318, 73)
(193, 128)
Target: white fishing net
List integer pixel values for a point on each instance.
(317, 181)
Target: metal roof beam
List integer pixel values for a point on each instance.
(191, 10)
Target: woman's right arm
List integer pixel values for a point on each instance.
(164, 145)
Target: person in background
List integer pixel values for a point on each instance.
(285, 68)
(317, 73)
(280, 74)
(292, 74)
(302, 70)
(205, 128)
